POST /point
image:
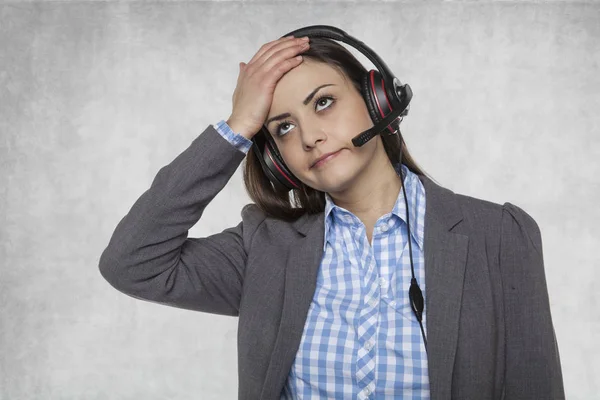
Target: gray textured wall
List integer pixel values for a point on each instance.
(95, 97)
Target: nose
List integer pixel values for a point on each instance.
(312, 134)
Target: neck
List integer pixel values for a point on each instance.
(374, 193)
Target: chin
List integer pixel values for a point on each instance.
(333, 179)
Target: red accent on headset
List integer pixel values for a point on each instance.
(279, 169)
(385, 93)
(388, 101)
(377, 99)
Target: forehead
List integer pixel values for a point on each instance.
(308, 75)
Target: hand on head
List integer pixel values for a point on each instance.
(257, 81)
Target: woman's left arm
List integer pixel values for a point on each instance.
(533, 369)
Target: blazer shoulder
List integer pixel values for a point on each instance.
(502, 217)
(252, 218)
(479, 214)
(267, 227)
(252, 213)
(518, 223)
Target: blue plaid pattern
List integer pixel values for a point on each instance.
(240, 142)
(361, 339)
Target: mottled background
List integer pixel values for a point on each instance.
(96, 96)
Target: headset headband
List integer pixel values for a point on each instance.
(332, 32)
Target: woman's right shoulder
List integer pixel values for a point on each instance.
(252, 214)
(256, 220)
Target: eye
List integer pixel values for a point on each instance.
(278, 128)
(321, 101)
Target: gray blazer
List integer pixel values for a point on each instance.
(489, 327)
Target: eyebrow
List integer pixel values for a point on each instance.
(305, 102)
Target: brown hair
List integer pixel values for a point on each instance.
(291, 205)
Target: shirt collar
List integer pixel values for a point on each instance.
(413, 187)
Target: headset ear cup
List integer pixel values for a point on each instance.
(272, 162)
(367, 93)
(378, 103)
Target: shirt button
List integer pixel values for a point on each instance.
(393, 303)
(368, 345)
(368, 391)
(372, 302)
(383, 282)
(384, 228)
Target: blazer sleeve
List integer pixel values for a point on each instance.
(533, 369)
(150, 256)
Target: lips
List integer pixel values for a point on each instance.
(324, 156)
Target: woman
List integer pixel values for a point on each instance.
(319, 277)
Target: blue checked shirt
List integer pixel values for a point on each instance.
(361, 339)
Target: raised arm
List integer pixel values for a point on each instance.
(150, 256)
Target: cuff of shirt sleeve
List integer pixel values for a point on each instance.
(237, 140)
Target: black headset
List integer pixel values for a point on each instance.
(387, 101)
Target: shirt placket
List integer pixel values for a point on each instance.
(368, 316)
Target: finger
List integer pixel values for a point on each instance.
(241, 66)
(280, 69)
(276, 55)
(281, 56)
(267, 46)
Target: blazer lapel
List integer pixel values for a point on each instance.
(445, 261)
(300, 284)
(445, 258)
